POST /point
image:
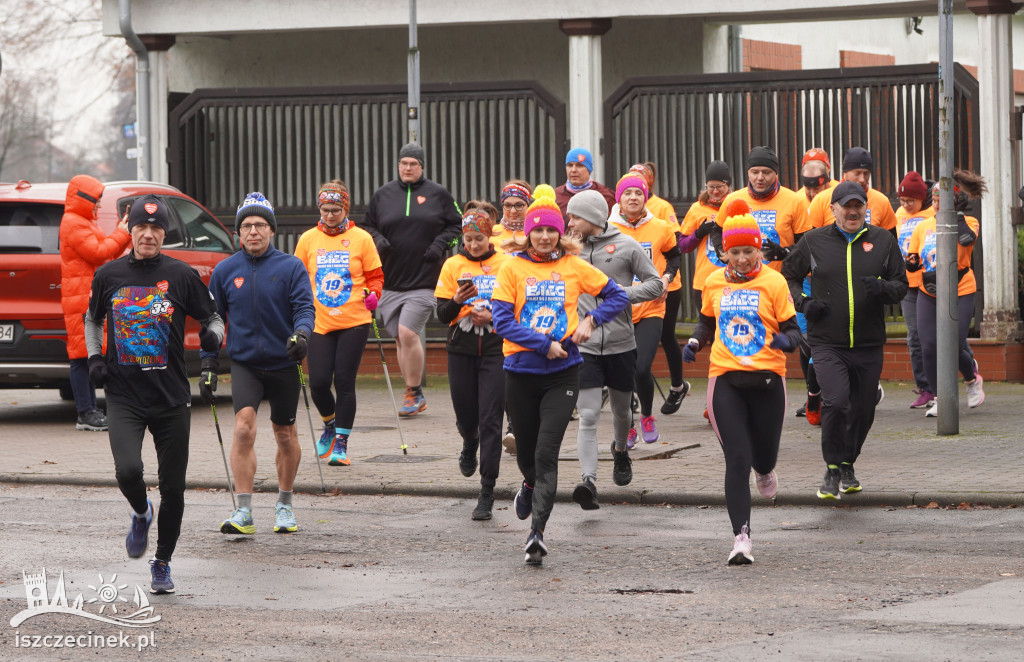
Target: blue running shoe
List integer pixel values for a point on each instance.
(535, 549)
(326, 440)
(239, 522)
(161, 571)
(339, 454)
(138, 534)
(285, 522)
(524, 501)
(413, 403)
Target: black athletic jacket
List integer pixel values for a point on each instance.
(836, 267)
(406, 219)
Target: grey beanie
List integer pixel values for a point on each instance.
(412, 150)
(590, 206)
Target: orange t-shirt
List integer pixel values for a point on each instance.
(501, 238)
(663, 209)
(880, 211)
(544, 294)
(705, 260)
(336, 266)
(656, 236)
(747, 318)
(905, 224)
(922, 242)
(483, 272)
(802, 192)
(781, 217)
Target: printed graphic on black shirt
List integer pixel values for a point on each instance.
(142, 326)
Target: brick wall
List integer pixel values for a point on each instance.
(769, 55)
(861, 59)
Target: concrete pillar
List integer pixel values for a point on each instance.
(586, 97)
(716, 48)
(158, 45)
(1001, 318)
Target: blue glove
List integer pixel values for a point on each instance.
(690, 351)
(782, 342)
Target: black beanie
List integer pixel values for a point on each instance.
(856, 158)
(763, 156)
(718, 171)
(413, 151)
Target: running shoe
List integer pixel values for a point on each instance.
(800, 413)
(924, 399)
(813, 410)
(585, 494)
(161, 572)
(240, 522)
(138, 533)
(706, 414)
(675, 398)
(741, 548)
(848, 480)
(933, 411)
(649, 429)
(285, 521)
(484, 504)
(622, 469)
(326, 440)
(830, 484)
(509, 440)
(975, 393)
(767, 484)
(92, 420)
(339, 452)
(880, 395)
(524, 501)
(413, 404)
(467, 458)
(631, 439)
(535, 549)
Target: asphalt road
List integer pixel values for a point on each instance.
(396, 578)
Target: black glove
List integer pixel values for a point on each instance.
(690, 350)
(705, 228)
(913, 262)
(928, 280)
(98, 370)
(208, 380)
(814, 310)
(773, 252)
(433, 253)
(208, 340)
(872, 286)
(383, 247)
(297, 345)
(965, 236)
(783, 342)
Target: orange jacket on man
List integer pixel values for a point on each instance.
(83, 248)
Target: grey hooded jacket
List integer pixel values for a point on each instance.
(620, 257)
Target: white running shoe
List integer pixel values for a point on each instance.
(880, 396)
(933, 411)
(767, 484)
(741, 549)
(975, 393)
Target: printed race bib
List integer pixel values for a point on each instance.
(710, 253)
(739, 324)
(544, 310)
(333, 279)
(766, 222)
(929, 252)
(906, 232)
(649, 252)
(142, 326)
(484, 288)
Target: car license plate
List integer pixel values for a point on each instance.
(6, 333)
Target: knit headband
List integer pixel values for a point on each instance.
(332, 193)
(515, 191)
(477, 221)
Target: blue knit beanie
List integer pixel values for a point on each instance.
(255, 204)
(580, 155)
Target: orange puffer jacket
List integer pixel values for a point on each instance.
(83, 247)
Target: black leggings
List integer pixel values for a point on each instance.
(648, 333)
(170, 429)
(748, 423)
(927, 332)
(540, 407)
(336, 356)
(669, 342)
(478, 396)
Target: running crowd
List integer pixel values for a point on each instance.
(555, 302)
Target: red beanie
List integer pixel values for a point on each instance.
(913, 186)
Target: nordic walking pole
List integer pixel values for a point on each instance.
(216, 424)
(312, 431)
(387, 378)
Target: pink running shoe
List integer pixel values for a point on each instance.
(741, 549)
(767, 484)
(924, 399)
(631, 439)
(650, 430)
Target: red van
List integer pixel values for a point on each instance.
(33, 352)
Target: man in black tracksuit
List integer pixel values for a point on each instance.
(413, 221)
(855, 269)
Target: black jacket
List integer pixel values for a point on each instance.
(404, 221)
(836, 267)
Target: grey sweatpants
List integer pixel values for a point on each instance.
(589, 408)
